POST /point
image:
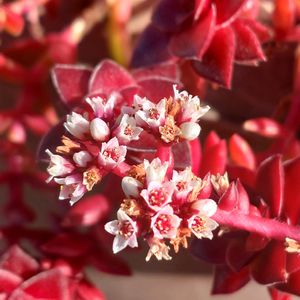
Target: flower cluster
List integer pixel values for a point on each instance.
(97, 136)
(161, 209)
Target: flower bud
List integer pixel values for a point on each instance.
(131, 186)
(190, 130)
(99, 130)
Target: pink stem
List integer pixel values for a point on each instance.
(269, 228)
(163, 152)
(196, 154)
(121, 169)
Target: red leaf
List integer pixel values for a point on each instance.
(71, 83)
(18, 262)
(229, 199)
(276, 295)
(227, 281)
(217, 63)
(228, 10)
(88, 211)
(50, 284)
(109, 77)
(269, 266)
(14, 23)
(243, 198)
(293, 284)
(270, 184)
(8, 281)
(292, 190)
(248, 47)
(263, 126)
(241, 153)
(85, 291)
(194, 41)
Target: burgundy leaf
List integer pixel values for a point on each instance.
(269, 266)
(292, 262)
(262, 32)
(293, 284)
(109, 77)
(88, 211)
(217, 63)
(171, 14)
(50, 284)
(227, 281)
(18, 262)
(229, 199)
(71, 83)
(68, 245)
(244, 174)
(194, 41)
(156, 40)
(292, 190)
(270, 184)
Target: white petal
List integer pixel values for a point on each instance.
(206, 207)
(99, 130)
(190, 130)
(119, 243)
(112, 227)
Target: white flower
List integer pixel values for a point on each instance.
(159, 249)
(124, 229)
(184, 182)
(190, 130)
(127, 131)
(131, 186)
(103, 108)
(77, 125)
(72, 188)
(138, 104)
(165, 224)
(158, 195)
(155, 171)
(152, 115)
(111, 153)
(201, 224)
(191, 109)
(82, 158)
(58, 166)
(99, 130)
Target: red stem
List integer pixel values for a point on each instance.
(269, 228)
(121, 169)
(163, 152)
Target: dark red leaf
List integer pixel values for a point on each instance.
(194, 41)
(270, 184)
(8, 281)
(276, 295)
(227, 281)
(217, 63)
(269, 266)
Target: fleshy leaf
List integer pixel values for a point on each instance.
(71, 83)
(85, 291)
(270, 184)
(8, 281)
(263, 126)
(217, 63)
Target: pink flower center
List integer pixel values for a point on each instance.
(126, 229)
(198, 224)
(113, 153)
(153, 113)
(163, 223)
(157, 197)
(128, 130)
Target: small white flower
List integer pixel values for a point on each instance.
(184, 182)
(191, 109)
(158, 195)
(201, 224)
(112, 153)
(190, 130)
(77, 125)
(82, 158)
(127, 131)
(165, 224)
(138, 104)
(151, 115)
(124, 229)
(103, 108)
(155, 171)
(159, 249)
(72, 188)
(99, 130)
(58, 166)
(131, 186)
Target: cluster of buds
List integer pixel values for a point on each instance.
(160, 209)
(98, 134)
